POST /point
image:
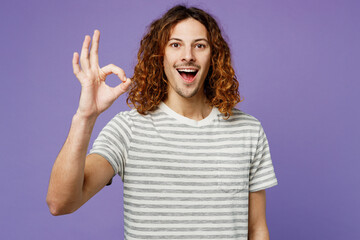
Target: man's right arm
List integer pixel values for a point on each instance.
(75, 177)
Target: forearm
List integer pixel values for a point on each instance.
(67, 176)
(259, 235)
(258, 229)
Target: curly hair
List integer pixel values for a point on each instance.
(149, 86)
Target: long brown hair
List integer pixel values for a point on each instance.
(149, 86)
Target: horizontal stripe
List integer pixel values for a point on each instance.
(179, 176)
(189, 146)
(173, 183)
(187, 154)
(191, 134)
(182, 236)
(172, 190)
(200, 222)
(186, 214)
(172, 199)
(187, 229)
(178, 168)
(184, 206)
(202, 160)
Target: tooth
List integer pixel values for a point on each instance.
(187, 70)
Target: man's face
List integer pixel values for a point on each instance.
(187, 58)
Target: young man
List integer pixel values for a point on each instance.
(193, 166)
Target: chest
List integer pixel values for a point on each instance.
(196, 158)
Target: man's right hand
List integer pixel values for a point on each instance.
(75, 177)
(96, 96)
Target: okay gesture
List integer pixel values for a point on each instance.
(96, 95)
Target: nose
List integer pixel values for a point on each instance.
(188, 54)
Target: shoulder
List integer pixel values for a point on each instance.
(127, 116)
(238, 116)
(250, 121)
(241, 123)
(122, 121)
(132, 117)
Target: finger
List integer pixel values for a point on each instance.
(75, 63)
(94, 56)
(111, 68)
(122, 87)
(84, 57)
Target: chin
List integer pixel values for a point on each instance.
(187, 94)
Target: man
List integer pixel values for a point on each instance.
(193, 166)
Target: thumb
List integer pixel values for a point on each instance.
(122, 87)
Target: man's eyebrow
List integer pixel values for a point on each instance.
(176, 39)
(201, 39)
(196, 40)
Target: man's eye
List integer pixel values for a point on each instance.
(174, 45)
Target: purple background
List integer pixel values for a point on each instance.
(298, 67)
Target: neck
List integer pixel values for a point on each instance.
(196, 108)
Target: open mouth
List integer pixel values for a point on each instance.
(188, 74)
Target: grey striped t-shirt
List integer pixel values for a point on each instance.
(186, 179)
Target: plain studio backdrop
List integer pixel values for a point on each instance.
(298, 67)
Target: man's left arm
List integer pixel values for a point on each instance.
(258, 229)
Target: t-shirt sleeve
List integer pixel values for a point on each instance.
(113, 142)
(262, 174)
